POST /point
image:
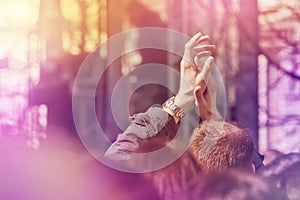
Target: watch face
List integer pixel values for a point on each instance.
(170, 104)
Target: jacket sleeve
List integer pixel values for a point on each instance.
(148, 131)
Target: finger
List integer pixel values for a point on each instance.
(198, 91)
(200, 59)
(207, 67)
(198, 48)
(193, 41)
(199, 97)
(196, 37)
(203, 54)
(203, 38)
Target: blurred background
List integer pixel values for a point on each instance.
(43, 43)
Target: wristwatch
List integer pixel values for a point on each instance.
(170, 107)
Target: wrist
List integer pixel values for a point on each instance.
(184, 101)
(172, 108)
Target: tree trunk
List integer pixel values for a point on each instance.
(247, 78)
(113, 72)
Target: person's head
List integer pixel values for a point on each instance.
(229, 146)
(230, 184)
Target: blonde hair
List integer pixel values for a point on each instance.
(228, 147)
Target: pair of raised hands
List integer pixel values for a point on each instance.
(196, 83)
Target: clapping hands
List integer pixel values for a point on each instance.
(196, 83)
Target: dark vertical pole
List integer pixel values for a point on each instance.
(113, 72)
(247, 78)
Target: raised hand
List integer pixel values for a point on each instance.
(194, 68)
(206, 98)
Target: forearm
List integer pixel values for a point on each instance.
(147, 132)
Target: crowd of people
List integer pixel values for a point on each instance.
(221, 161)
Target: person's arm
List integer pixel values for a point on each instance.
(147, 132)
(153, 129)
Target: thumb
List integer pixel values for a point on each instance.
(200, 100)
(198, 95)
